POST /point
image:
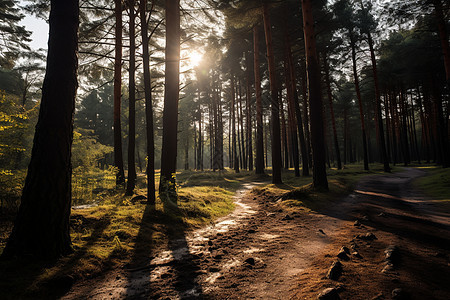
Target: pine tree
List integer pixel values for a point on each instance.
(42, 225)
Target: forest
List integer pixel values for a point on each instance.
(225, 149)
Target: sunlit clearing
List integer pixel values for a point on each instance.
(195, 58)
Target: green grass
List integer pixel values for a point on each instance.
(297, 194)
(119, 232)
(436, 184)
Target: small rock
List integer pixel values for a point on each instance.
(392, 254)
(329, 294)
(367, 237)
(335, 270)
(382, 214)
(387, 268)
(356, 254)
(343, 254)
(399, 294)
(321, 231)
(345, 249)
(365, 218)
(287, 217)
(357, 223)
(250, 261)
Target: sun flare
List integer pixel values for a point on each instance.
(195, 58)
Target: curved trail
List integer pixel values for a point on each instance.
(260, 251)
(254, 252)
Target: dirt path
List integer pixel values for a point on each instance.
(260, 251)
(400, 218)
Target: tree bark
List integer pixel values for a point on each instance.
(41, 228)
(118, 153)
(233, 126)
(358, 95)
(249, 123)
(291, 115)
(131, 182)
(259, 162)
(320, 181)
(443, 36)
(330, 101)
(171, 96)
(384, 156)
(148, 105)
(275, 120)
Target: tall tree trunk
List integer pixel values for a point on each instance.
(249, 123)
(358, 95)
(233, 126)
(291, 114)
(259, 162)
(298, 114)
(315, 99)
(425, 130)
(388, 140)
(118, 155)
(384, 156)
(346, 148)
(284, 140)
(306, 128)
(171, 96)
(330, 101)
(148, 104)
(241, 118)
(404, 131)
(443, 36)
(200, 137)
(414, 131)
(238, 120)
(395, 134)
(41, 228)
(276, 139)
(195, 146)
(131, 182)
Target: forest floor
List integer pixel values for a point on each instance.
(270, 247)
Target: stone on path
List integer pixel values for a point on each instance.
(329, 294)
(335, 271)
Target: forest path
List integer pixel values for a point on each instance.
(259, 251)
(400, 217)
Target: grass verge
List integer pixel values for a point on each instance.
(121, 231)
(297, 194)
(436, 184)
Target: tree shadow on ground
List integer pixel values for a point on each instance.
(163, 274)
(19, 277)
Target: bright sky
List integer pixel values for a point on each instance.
(39, 29)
